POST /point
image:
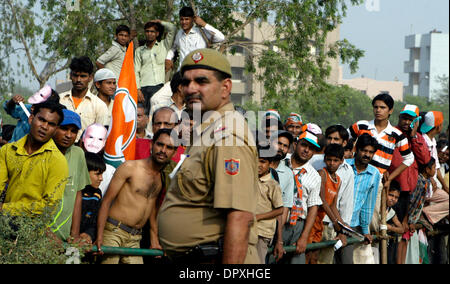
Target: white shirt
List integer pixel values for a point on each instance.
(311, 182)
(110, 110)
(169, 103)
(345, 195)
(107, 177)
(186, 43)
(432, 147)
(91, 109)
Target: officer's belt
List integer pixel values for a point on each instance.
(210, 253)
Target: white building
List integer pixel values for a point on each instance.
(373, 88)
(428, 60)
(245, 86)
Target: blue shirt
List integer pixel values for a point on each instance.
(22, 127)
(287, 183)
(365, 195)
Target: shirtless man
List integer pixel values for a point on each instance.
(130, 200)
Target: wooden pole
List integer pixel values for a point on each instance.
(383, 227)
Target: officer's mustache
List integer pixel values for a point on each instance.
(193, 97)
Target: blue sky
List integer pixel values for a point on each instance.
(382, 33)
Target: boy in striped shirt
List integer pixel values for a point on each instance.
(388, 137)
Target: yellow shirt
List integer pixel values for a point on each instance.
(34, 181)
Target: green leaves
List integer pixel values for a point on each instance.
(293, 63)
(295, 76)
(23, 240)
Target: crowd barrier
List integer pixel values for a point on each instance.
(155, 253)
(289, 249)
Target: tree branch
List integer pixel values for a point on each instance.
(49, 70)
(122, 9)
(249, 18)
(24, 42)
(131, 18)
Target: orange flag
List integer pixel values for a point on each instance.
(121, 141)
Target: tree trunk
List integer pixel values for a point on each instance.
(169, 11)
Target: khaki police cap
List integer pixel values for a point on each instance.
(206, 59)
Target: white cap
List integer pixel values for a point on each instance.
(314, 128)
(104, 74)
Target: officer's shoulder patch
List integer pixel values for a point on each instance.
(232, 167)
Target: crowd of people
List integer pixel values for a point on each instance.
(222, 193)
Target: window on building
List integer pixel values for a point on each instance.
(238, 73)
(237, 50)
(238, 99)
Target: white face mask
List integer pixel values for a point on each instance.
(41, 96)
(94, 138)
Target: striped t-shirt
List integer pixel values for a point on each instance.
(389, 139)
(311, 182)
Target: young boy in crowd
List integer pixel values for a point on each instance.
(394, 226)
(417, 200)
(270, 204)
(331, 182)
(114, 56)
(105, 82)
(348, 154)
(87, 204)
(13, 108)
(418, 196)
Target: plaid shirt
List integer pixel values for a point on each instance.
(417, 199)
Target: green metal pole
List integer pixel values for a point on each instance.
(327, 244)
(128, 251)
(154, 253)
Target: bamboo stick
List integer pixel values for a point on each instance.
(384, 227)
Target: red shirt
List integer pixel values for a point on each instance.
(143, 147)
(408, 179)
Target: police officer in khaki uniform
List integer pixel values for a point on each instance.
(208, 215)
